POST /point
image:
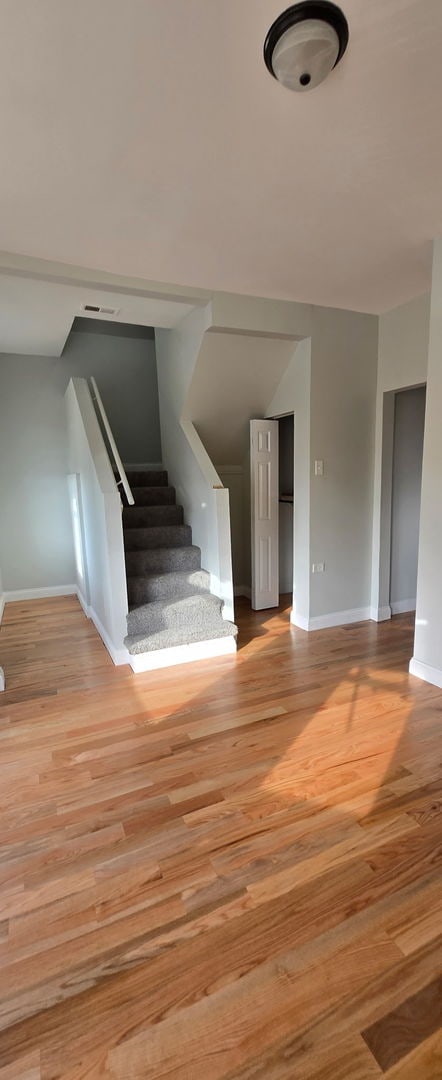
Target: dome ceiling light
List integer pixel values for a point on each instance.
(305, 43)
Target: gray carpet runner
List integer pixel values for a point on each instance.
(170, 602)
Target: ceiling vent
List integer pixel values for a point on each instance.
(98, 309)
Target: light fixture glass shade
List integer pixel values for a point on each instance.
(305, 54)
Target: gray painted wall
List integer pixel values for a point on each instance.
(408, 442)
(36, 549)
(35, 529)
(122, 359)
(343, 406)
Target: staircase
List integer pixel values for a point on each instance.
(170, 603)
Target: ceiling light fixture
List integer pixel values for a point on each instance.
(305, 43)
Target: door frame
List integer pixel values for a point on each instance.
(382, 508)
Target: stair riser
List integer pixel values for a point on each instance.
(162, 536)
(162, 560)
(167, 586)
(154, 496)
(148, 478)
(146, 516)
(167, 639)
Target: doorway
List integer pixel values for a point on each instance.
(408, 442)
(286, 457)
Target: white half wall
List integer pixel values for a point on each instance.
(427, 658)
(100, 572)
(199, 488)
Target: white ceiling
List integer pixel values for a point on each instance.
(36, 316)
(145, 137)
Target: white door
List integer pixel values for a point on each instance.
(264, 513)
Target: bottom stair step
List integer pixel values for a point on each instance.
(166, 639)
(181, 613)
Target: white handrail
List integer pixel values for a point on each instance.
(120, 467)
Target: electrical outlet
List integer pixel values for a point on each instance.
(319, 468)
(318, 568)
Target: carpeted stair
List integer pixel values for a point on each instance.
(170, 602)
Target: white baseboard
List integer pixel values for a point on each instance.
(39, 594)
(299, 620)
(425, 671)
(182, 654)
(333, 618)
(2, 680)
(2, 605)
(242, 590)
(119, 655)
(400, 607)
(380, 614)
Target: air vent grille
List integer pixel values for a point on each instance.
(99, 309)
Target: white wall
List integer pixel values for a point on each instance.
(408, 440)
(427, 659)
(36, 548)
(402, 363)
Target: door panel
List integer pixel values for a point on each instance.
(265, 513)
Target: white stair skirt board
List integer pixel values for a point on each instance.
(400, 607)
(334, 618)
(2, 680)
(426, 672)
(380, 614)
(119, 655)
(182, 654)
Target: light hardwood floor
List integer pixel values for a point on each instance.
(224, 871)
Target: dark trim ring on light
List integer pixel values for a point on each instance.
(307, 9)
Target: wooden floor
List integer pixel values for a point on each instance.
(225, 870)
